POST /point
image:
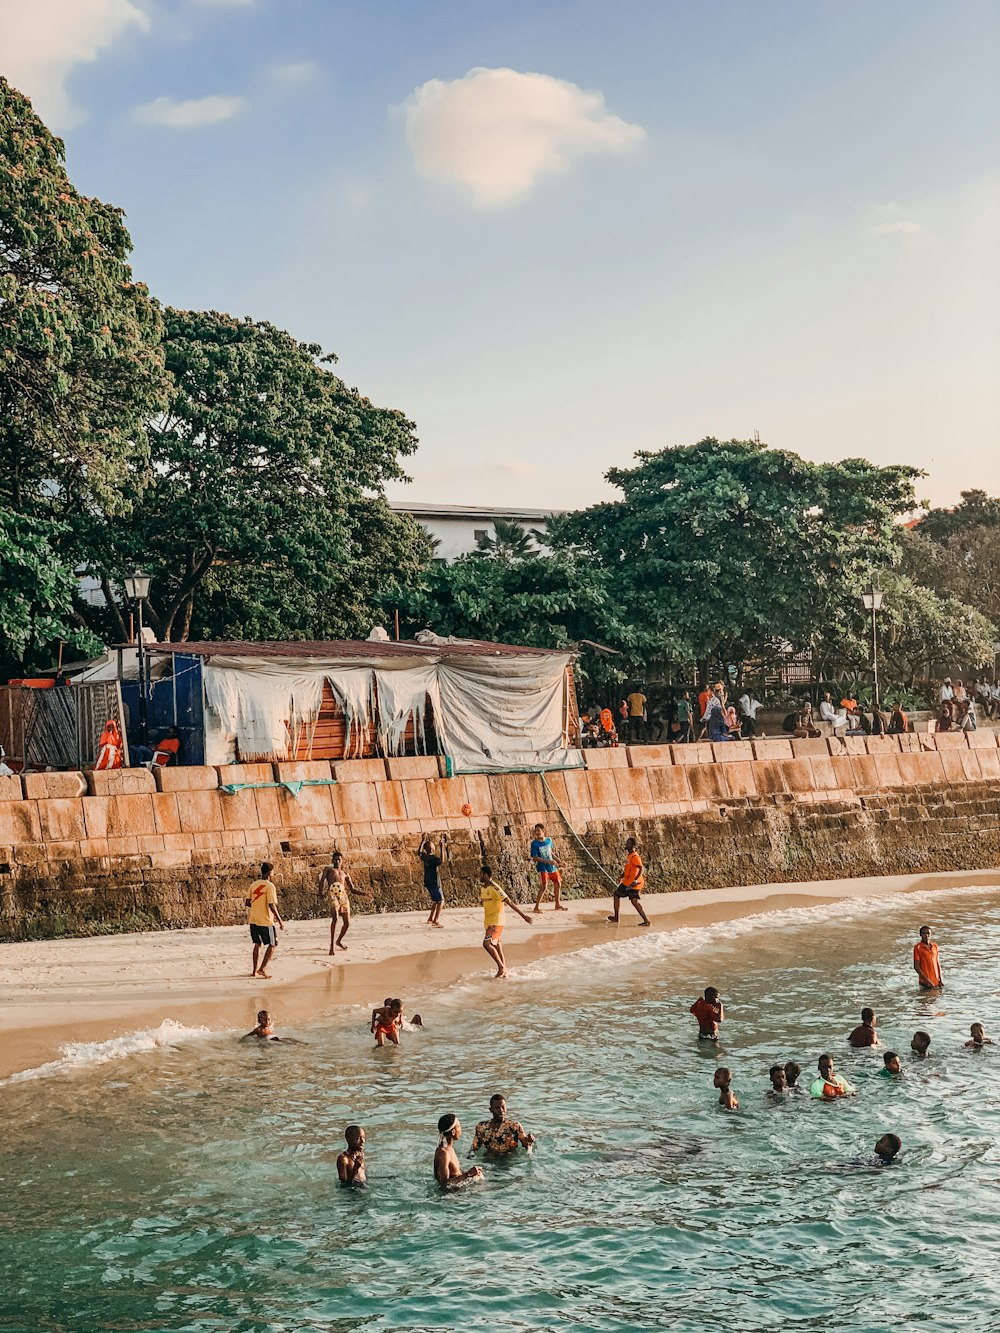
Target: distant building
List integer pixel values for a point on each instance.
(458, 529)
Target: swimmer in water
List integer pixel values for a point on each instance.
(920, 1043)
(864, 1034)
(779, 1083)
(387, 1021)
(500, 1135)
(979, 1038)
(351, 1162)
(829, 1085)
(264, 1031)
(709, 1012)
(886, 1149)
(792, 1072)
(447, 1170)
(416, 1021)
(723, 1081)
(892, 1063)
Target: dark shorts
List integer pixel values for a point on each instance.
(264, 935)
(436, 896)
(623, 892)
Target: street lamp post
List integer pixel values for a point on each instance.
(872, 601)
(137, 588)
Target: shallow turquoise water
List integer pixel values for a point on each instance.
(194, 1187)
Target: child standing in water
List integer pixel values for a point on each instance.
(979, 1038)
(447, 1170)
(709, 1012)
(926, 962)
(723, 1081)
(351, 1162)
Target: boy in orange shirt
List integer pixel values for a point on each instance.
(633, 881)
(926, 963)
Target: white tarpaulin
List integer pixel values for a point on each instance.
(490, 711)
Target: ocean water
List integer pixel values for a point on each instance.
(176, 1180)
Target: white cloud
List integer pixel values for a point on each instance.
(295, 74)
(900, 228)
(188, 115)
(515, 467)
(496, 132)
(42, 40)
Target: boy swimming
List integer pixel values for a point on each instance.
(979, 1038)
(779, 1083)
(920, 1043)
(892, 1063)
(830, 1085)
(264, 1031)
(864, 1034)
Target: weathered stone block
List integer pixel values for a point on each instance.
(305, 770)
(633, 785)
(240, 773)
(200, 811)
(360, 770)
(951, 760)
(448, 795)
(615, 757)
(11, 790)
(989, 763)
(732, 752)
(649, 756)
(983, 738)
(824, 775)
(62, 821)
(699, 752)
(193, 778)
(239, 810)
(970, 764)
(416, 802)
(776, 748)
(391, 802)
(404, 767)
(865, 773)
(798, 775)
(121, 782)
(742, 779)
(268, 808)
(479, 794)
(310, 806)
(809, 747)
(50, 786)
(950, 740)
(355, 803)
(917, 769)
(882, 744)
(769, 775)
(708, 782)
(603, 788)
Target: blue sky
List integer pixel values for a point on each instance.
(697, 218)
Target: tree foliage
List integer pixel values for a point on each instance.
(957, 552)
(81, 369)
(36, 595)
(263, 513)
(720, 548)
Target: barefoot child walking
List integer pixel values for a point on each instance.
(334, 882)
(494, 900)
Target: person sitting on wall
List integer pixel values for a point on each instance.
(160, 754)
(805, 725)
(898, 721)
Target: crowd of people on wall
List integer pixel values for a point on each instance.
(714, 713)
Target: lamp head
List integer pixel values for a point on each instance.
(872, 598)
(137, 586)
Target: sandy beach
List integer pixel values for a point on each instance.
(83, 990)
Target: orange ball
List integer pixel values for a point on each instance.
(466, 809)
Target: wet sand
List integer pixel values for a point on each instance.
(54, 991)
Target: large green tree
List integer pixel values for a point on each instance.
(36, 596)
(81, 368)
(719, 549)
(263, 515)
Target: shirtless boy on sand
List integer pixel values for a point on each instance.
(334, 882)
(447, 1170)
(351, 1162)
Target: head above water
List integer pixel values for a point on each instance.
(778, 1078)
(723, 1077)
(711, 994)
(498, 1106)
(891, 1061)
(977, 1032)
(888, 1146)
(792, 1071)
(263, 1018)
(448, 1127)
(920, 1042)
(868, 1017)
(355, 1136)
(925, 934)
(825, 1065)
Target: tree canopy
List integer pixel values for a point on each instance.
(718, 548)
(261, 514)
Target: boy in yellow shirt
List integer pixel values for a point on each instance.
(494, 900)
(263, 904)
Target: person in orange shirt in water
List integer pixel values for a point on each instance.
(633, 881)
(926, 963)
(709, 1012)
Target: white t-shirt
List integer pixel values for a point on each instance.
(945, 693)
(751, 707)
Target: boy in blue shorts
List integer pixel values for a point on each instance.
(544, 856)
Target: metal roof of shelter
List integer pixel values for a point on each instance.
(359, 648)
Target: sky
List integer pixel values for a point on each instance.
(556, 232)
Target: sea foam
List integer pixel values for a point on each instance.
(85, 1054)
(655, 944)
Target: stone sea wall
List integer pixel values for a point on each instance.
(129, 850)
